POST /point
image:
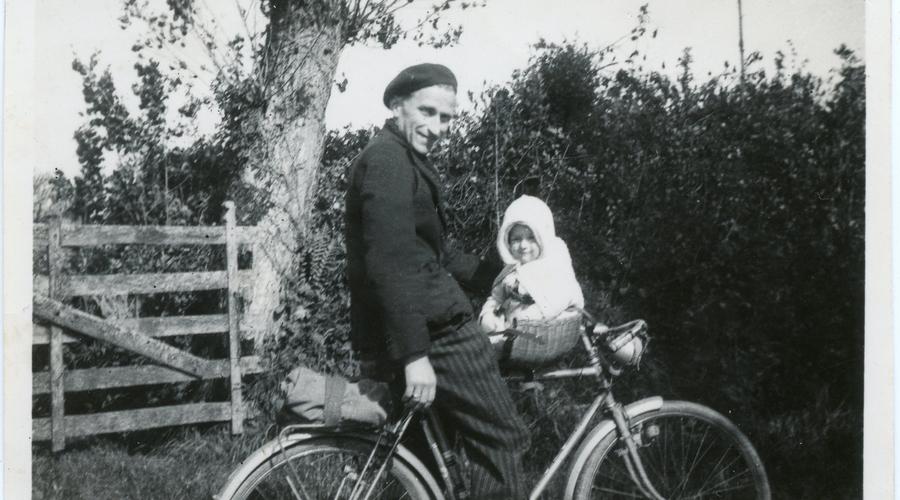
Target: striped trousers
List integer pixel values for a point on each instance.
(473, 402)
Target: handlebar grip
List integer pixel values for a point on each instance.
(512, 333)
(632, 327)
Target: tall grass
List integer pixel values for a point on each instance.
(187, 463)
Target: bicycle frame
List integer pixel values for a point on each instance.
(387, 441)
(619, 434)
(604, 402)
(296, 434)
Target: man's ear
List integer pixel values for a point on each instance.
(395, 106)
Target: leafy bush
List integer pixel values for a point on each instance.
(728, 214)
(134, 172)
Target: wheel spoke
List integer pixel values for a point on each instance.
(687, 450)
(718, 469)
(627, 494)
(295, 489)
(697, 455)
(617, 477)
(664, 458)
(326, 471)
(684, 449)
(718, 488)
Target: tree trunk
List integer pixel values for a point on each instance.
(297, 73)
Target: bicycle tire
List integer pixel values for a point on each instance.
(696, 453)
(324, 468)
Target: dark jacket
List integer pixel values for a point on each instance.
(403, 278)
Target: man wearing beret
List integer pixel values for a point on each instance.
(407, 305)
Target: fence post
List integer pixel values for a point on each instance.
(57, 393)
(234, 334)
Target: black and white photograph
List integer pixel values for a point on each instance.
(447, 249)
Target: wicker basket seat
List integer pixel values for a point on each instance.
(541, 341)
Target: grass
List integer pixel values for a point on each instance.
(811, 453)
(171, 464)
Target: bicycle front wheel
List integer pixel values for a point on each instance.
(687, 450)
(326, 468)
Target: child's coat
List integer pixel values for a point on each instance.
(548, 281)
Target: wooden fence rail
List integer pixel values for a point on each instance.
(124, 284)
(75, 235)
(92, 379)
(58, 324)
(169, 326)
(132, 420)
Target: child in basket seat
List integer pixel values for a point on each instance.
(538, 282)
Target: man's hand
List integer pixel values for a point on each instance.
(421, 383)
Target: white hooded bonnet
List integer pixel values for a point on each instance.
(527, 211)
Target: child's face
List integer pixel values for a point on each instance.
(522, 244)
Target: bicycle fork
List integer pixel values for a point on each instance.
(632, 459)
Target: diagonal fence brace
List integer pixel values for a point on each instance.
(81, 322)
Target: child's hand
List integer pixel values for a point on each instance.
(492, 322)
(518, 293)
(514, 286)
(511, 282)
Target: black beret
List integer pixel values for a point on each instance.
(418, 77)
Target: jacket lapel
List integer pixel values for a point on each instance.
(425, 168)
(430, 173)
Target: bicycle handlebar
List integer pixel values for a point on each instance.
(632, 327)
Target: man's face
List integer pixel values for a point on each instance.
(424, 116)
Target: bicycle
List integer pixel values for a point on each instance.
(649, 448)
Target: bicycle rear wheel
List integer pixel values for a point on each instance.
(688, 451)
(326, 468)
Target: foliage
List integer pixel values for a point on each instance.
(242, 67)
(314, 312)
(131, 173)
(151, 182)
(728, 215)
(157, 464)
(134, 172)
(153, 166)
(271, 85)
(184, 23)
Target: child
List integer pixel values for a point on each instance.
(538, 281)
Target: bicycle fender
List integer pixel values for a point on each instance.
(600, 431)
(273, 447)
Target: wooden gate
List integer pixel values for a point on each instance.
(58, 324)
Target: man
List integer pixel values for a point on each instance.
(407, 306)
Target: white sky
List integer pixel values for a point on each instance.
(495, 41)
